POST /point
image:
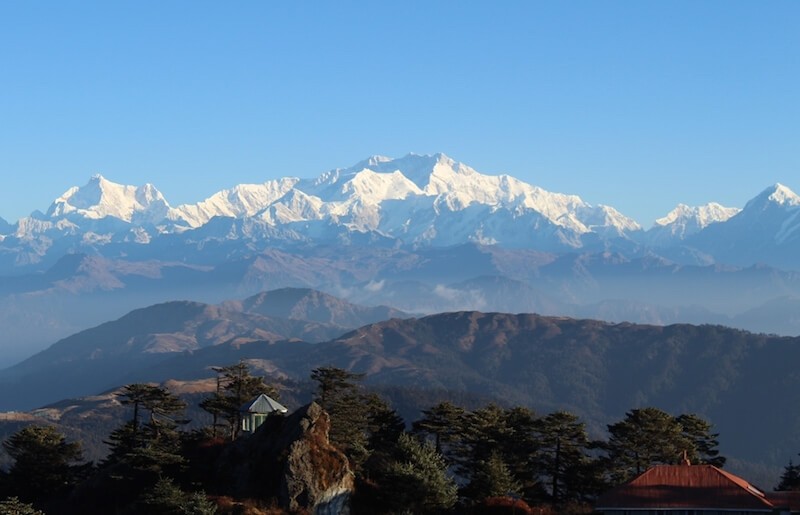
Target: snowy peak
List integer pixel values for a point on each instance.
(684, 221)
(775, 195)
(373, 188)
(416, 199)
(101, 198)
(240, 201)
(417, 168)
(697, 217)
(454, 186)
(295, 206)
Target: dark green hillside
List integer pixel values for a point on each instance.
(744, 383)
(592, 368)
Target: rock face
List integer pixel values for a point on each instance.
(291, 459)
(316, 475)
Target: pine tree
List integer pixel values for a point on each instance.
(646, 437)
(416, 480)
(333, 382)
(704, 442)
(44, 463)
(488, 444)
(492, 478)
(441, 422)
(563, 455)
(520, 448)
(165, 498)
(384, 425)
(790, 479)
(235, 386)
(339, 393)
(147, 450)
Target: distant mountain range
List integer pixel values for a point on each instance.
(424, 234)
(415, 201)
(595, 369)
(130, 348)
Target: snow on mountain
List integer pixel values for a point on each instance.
(454, 186)
(776, 195)
(684, 221)
(378, 194)
(698, 217)
(101, 198)
(30, 226)
(294, 206)
(240, 201)
(767, 229)
(775, 212)
(606, 220)
(417, 200)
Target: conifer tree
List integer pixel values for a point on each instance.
(442, 422)
(563, 455)
(235, 386)
(492, 478)
(44, 463)
(646, 437)
(333, 382)
(704, 442)
(339, 393)
(790, 479)
(166, 498)
(145, 451)
(416, 479)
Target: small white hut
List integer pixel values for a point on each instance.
(255, 412)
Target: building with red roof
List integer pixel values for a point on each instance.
(693, 490)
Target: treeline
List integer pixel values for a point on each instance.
(449, 460)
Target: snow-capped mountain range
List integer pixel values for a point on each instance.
(416, 200)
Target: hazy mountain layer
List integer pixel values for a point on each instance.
(123, 350)
(596, 369)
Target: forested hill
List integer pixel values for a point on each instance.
(743, 383)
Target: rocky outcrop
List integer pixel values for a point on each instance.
(291, 459)
(317, 475)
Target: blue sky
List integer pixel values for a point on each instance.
(639, 105)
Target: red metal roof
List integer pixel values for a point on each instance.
(788, 501)
(686, 487)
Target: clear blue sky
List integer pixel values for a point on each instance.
(639, 105)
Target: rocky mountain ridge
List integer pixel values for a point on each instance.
(411, 201)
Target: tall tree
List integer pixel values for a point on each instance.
(563, 455)
(339, 393)
(442, 423)
(154, 445)
(44, 463)
(704, 442)
(146, 448)
(646, 437)
(333, 382)
(235, 386)
(790, 479)
(492, 478)
(520, 449)
(384, 425)
(416, 479)
(487, 447)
